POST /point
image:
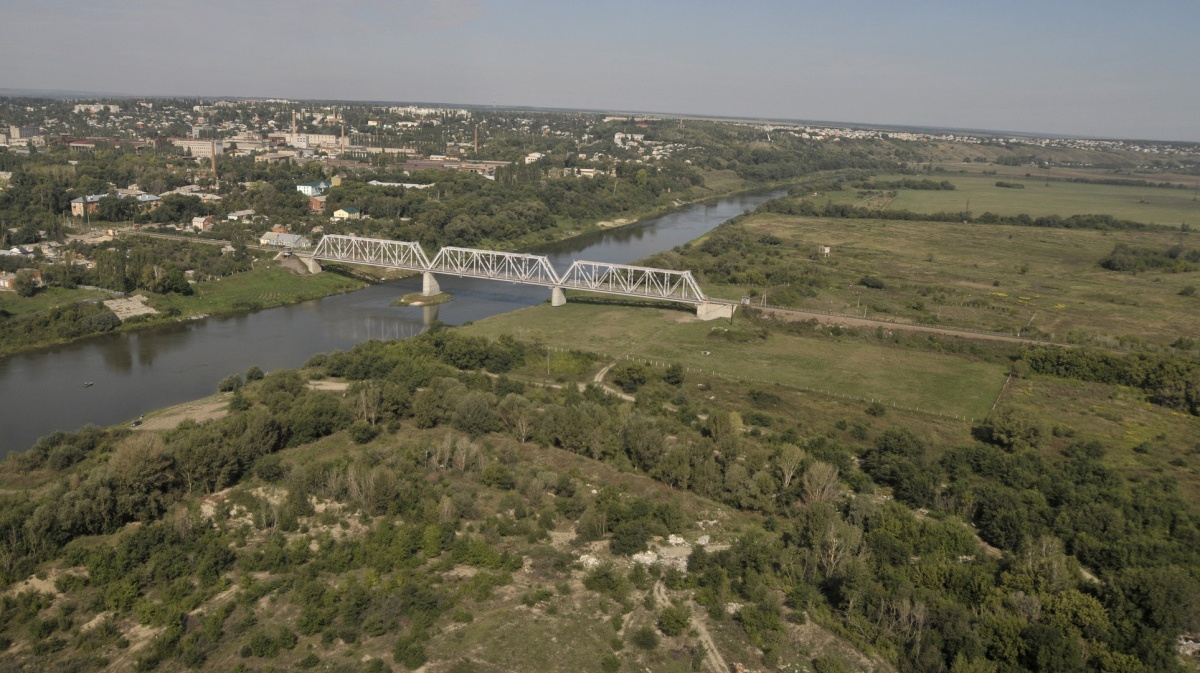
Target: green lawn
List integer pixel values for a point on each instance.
(940, 384)
(263, 287)
(1140, 204)
(46, 298)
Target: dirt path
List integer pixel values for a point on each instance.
(197, 410)
(598, 379)
(796, 315)
(712, 656)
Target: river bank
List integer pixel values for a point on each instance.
(169, 362)
(272, 284)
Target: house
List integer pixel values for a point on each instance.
(314, 188)
(316, 204)
(240, 215)
(278, 240)
(346, 213)
(92, 201)
(8, 281)
(533, 157)
(203, 223)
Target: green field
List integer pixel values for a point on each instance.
(265, 286)
(994, 277)
(1139, 204)
(44, 299)
(950, 386)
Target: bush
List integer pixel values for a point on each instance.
(409, 653)
(674, 619)
(630, 376)
(229, 383)
(830, 663)
(645, 637)
(362, 432)
(876, 409)
(254, 374)
(872, 282)
(611, 663)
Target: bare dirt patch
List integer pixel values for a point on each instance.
(619, 222)
(209, 408)
(328, 385)
(130, 307)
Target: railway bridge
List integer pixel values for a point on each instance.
(515, 267)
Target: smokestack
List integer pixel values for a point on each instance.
(293, 126)
(214, 163)
(477, 139)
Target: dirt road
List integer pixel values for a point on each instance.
(797, 315)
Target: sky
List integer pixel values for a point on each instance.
(1097, 68)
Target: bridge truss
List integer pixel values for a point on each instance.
(619, 279)
(511, 266)
(633, 281)
(372, 252)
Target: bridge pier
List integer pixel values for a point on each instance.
(557, 298)
(712, 310)
(313, 265)
(429, 285)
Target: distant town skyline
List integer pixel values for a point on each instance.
(1062, 67)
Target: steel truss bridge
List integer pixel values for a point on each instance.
(617, 279)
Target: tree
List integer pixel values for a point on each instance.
(820, 483)
(789, 459)
(25, 283)
(516, 414)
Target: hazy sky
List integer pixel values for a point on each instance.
(1097, 67)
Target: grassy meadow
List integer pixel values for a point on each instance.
(1152, 205)
(265, 286)
(995, 277)
(46, 298)
(943, 385)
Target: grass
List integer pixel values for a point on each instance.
(46, 298)
(1003, 278)
(1167, 442)
(418, 299)
(1140, 204)
(944, 385)
(263, 287)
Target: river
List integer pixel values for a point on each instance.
(136, 372)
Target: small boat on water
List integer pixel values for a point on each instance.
(87, 384)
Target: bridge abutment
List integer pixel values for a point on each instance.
(429, 284)
(313, 265)
(557, 297)
(713, 311)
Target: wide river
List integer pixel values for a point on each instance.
(136, 372)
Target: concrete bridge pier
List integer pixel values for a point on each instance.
(429, 285)
(313, 265)
(557, 298)
(712, 310)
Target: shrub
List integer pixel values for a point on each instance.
(409, 653)
(363, 432)
(673, 620)
(872, 282)
(229, 383)
(645, 637)
(254, 373)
